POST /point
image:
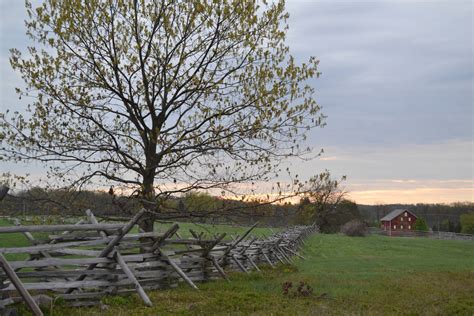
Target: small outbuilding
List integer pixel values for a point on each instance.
(400, 220)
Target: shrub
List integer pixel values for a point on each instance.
(421, 225)
(354, 228)
(467, 223)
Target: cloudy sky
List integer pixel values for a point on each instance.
(397, 87)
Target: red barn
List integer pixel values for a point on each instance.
(398, 221)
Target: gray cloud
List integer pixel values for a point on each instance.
(393, 72)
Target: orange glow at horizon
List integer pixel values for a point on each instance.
(412, 196)
(373, 192)
(394, 196)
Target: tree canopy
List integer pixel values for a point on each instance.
(162, 96)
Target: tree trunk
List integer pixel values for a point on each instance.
(3, 191)
(147, 195)
(146, 223)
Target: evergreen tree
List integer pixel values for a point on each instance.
(421, 225)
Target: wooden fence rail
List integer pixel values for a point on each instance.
(83, 262)
(426, 234)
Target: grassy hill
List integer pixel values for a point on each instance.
(371, 276)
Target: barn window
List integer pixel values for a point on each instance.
(409, 226)
(401, 218)
(401, 226)
(409, 219)
(406, 214)
(394, 226)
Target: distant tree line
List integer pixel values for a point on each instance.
(197, 206)
(327, 206)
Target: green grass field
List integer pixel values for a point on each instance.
(19, 240)
(373, 275)
(15, 240)
(368, 276)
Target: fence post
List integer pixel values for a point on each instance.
(111, 246)
(19, 286)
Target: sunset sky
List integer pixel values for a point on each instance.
(397, 87)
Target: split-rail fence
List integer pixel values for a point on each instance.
(80, 263)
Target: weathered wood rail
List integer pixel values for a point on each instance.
(81, 263)
(427, 234)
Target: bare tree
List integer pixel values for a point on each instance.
(161, 96)
(321, 197)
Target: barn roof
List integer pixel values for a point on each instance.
(394, 214)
